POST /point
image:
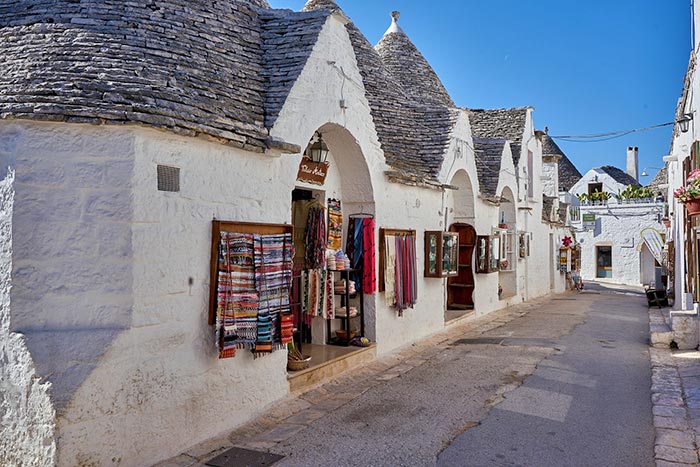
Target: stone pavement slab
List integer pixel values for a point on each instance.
(676, 403)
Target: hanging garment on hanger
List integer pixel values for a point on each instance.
(273, 278)
(405, 272)
(390, 269)
(369, 271)
(300, 217)
(335, 225)
(237, 299)
(316, 238)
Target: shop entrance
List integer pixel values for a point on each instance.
(332, 213)
(604, 261)
(460, 288)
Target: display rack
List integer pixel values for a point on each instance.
(345, 299)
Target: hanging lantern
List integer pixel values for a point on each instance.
(318, 151)
(314, 166)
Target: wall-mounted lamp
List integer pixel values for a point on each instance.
(318, 151)
(684, 122)
(644, 172)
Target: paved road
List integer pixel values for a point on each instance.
(562, 382)
(586, 405)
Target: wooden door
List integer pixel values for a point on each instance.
(460, 288)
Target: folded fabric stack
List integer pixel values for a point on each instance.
(341, 313)
(339, 287)
(330, 260)
(340, 261)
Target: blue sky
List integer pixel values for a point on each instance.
(586, 67)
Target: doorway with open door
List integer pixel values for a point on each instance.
(460, 288)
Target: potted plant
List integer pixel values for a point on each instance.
(295, 360)
(689, 194)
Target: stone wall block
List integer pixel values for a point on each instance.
(41, 170)
(108, 205)
(36, 206)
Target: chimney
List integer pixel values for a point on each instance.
(633, 162)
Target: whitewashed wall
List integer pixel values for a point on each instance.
(27, 416)
(597, 176)
(619, 226)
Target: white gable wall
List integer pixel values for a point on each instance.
(610, 185)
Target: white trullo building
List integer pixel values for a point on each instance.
(130, 159)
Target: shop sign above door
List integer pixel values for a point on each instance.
(312, 172)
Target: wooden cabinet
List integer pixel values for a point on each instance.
(460, 286)
(441, 253)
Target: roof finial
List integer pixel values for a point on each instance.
(546, 130)
(394, 24)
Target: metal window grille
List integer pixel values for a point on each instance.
(168, 178)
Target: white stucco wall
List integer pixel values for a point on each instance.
(618, 226)
(610, 185)
(27, 416)
(112, 320)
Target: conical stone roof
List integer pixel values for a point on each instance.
(410, 68)
(568, 173)
(167, 64)
(414, 137)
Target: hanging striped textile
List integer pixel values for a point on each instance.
(237, 300)
(253, 292)
(405, 284)
(318, 293)
(315, 239)
(335, 225)
(369, 271)
(273, 256)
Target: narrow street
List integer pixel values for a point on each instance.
(556, 382)
(587, 404)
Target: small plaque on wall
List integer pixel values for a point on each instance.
(312, 172)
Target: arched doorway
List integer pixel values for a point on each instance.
(459, 216)
(507, 277)
(343, 198)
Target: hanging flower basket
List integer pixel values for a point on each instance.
(692, 207)
(690, 193)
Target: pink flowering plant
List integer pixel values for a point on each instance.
(690, 191)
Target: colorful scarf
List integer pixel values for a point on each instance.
(318, 293)
(315, 239)
(369, 272)
(335, 225)
(400, 271)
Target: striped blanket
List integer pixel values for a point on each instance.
(253, 286)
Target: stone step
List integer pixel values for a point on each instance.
(660, 330)
(300, 381)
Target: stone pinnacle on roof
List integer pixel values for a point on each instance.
(328, 5)
(394, 28)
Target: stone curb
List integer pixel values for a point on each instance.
(675, 388)
(295, 413)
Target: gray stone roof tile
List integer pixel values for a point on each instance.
(288, 40)
(661, 178)
(500, 123)
(168, 64)
(548, 208)
(411, 69)
(489, 154)
(568, 173)
(619, 176)
(414, 134)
